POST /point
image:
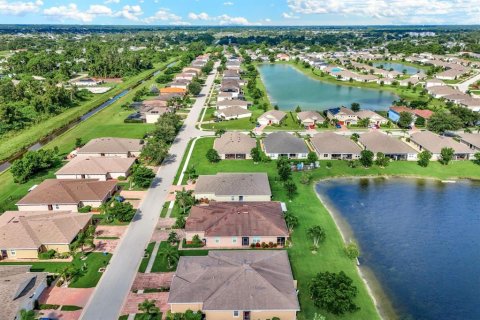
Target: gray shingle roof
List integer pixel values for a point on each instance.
(236, 280)
(112, 145)
(471, 138)
(234, 142)
(329, 142)
(234, 184)
(284, 142)
(380, 142)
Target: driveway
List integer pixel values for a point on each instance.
(133, 299)
(152, 280)
(466, 84)
(66, 296)
(61, 315)
(114, 286)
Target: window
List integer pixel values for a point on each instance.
(232, 198)
(256, 240)
(57, 206)
(217, 240)
(13, 252)
(234, 240)
(236, 313)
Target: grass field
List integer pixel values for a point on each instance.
(144, 262)
(311, 212)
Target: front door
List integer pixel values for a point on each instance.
(50, 207)
(246, 315)
(245, 241)
(240, 198)
(4, 254)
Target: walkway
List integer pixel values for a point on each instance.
(466, 84)
(114, 286)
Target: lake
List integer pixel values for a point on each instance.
(421, 238)
(287, 87)
(399, 67)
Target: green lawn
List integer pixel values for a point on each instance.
(144, 262)
(160, 264)
(311, 212)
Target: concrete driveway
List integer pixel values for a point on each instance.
(133, 299)
(66, 296)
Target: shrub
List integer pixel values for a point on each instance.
(121, 178)
(352, 251)
(85, 209)
(257, 245)
(252, 245)
(46, 255)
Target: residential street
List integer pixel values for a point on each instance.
(464, 85)
(114, 286)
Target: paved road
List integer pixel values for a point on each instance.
(111, 292)
(464, 85)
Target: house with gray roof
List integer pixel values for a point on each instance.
(234, 145)
(233, 187)
(391, 147)
(284, 144)
(112, 147)
(434, 143)
(333, 146)
(236, 284)
(472, 140)
(233, 103)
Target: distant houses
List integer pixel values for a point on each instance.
(284, 144)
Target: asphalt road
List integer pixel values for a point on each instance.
(108, 298)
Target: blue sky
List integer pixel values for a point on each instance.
(241, 12)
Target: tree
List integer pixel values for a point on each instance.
(312, 157)
(381, 160)
(123, 211)
(78, 143)
(148, 307)
(467, 116)
(170, 255)
(446, 155)
(33, 162)
(364, 123)
(194, 88)
(317, 235)
(424, 158)
(284, 170)
(185, 199)
(155, 151)
(355, 136)
(298, 109)
(366, 158)
(27, 315)
(212, 156)
(442, 121)
(477, 157)
(256, 154)
(352, 251)
(172, 238)
(290, 187)
(220, 132)
(333, 292)
(191, 172)
(291, 221)
(355, 106)
(405, 120)
(142, 176)
(306, 177)
(85, 238)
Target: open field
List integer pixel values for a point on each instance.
(311, 212)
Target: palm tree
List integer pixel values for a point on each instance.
(27, 314)
(191, 172)
(148, 307)
(185, 199)
(171, 255)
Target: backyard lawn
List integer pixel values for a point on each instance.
(310, 212)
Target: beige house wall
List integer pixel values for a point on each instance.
(254, 315)
(253, 198)
(100, 177)
(60, 248)
(229, 242)
(61, 207)
(182, 307)
(22, 254)
(247, 156)
(97, 154)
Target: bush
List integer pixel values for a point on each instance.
(48, 306)
(122, 178)
(212, 156)
(352, 251)
(47, 255)
(85, 209)
(32, 163)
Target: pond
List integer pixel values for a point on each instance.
(421, 239)
(399, 67)
(287, 87)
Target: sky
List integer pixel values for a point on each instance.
(240, 12)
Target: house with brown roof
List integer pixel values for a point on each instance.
(472, 140)
(112, 147)
(391, 147)
(434, 143)
(374, 118)
(232, 113)
(237, 224)
(234, 145)
(395, 111)
(224, 186)
(67, 195)
(169, 90)
(19, 289)
(271, 117)
(233, 103)
(236, 285)
(332, 146)
(100, 168)
(309, 118)
(25, 234)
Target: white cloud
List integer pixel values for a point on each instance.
(71, 12)
(98, 9)
(111, 1)
(164, 15)
(200, 16)
(130, 12)
(225, 19)
(228, 3)
(19, 8)
(287, 15)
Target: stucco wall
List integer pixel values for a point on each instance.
(101, 177)
(61, 207)
(254, 315)
(60, 248)
(23, 254)
(182, 307)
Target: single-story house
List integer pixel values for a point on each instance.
(85, 82)
(472, 140)
(185, 76)
(67, 195)
(330, 145)
(234, 145)
(471, 103)
(101, 168)
(19, 289)
(393, 148)
(233, 187)
(233, 103)
(222, 96)
(112, 147)
(442, 91)
(343, 115)
(374, 118)
(394, 114)
(236, 285)
(271, 117)
(234, 112)
(24, 234)
(169, 90)
(237, 224)
(231, 75)
(230, 86)
(309, 118)
(434, 83)
(284, 144)
(283, 57)
(434, 143)
(180, 83)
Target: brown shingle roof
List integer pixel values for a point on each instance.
(306, 115)
(434, 143)
(225, 219)
(380, 142)
(96, 165)
(236, 280)
(234, 184)
(329, 142)
(52, 191)
(112, 145)
(234, 142)
(471, 138)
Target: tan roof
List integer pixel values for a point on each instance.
(234, 142)
(236, 280)
(274, 114)
(442, 90)
(380, 142)
(283, 142)
(155, 103)
(17, 285)
(332, 143)
(225, 219)
(434, 142)
(471, 138)
(65, 191)
(310, 115)
(112, 145)
(234, 184)
(31, 229)
(362, 114)
(233, 111)
(97, 165)
(233, 102)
